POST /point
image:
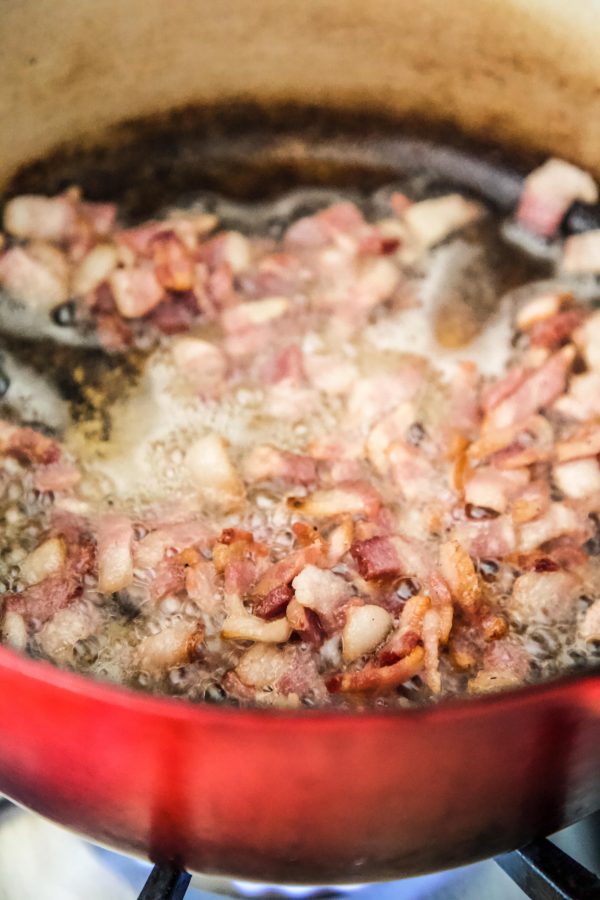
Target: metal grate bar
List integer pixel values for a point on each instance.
(544, 872)
(166, 882)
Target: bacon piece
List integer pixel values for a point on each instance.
(459, 572)
(330, 374)
(581, 253)
(539, 390)
(34, 217)
(287, 365)
(487, 539)
(173, 266)
(548, 193)
(488, 487)
(553, 331)
(175, 314)
(558, 520)
(322, 591)
(265, 463)
(212, 472)
(246, 316)
(95, 268)
(150, 550)
(229, 248)
(544, 596)
(408, 633)
(499, 390)
(41, 601)
(377, 558)
(274, 603)
(284, 571)
(47, 559)
(378, 679)
(374, 396)
(505, 665)
(201, 363)
(431, 221)
(583, 398)
(169, 578)
(587, 339)
(539, 309)
(36, 276)
(136, 291)
(114, 538)
(578, 478)
(463, 410)
(139, 239)
(582, 443)
(174, 645)
(305, 622)
(28, 445)
(245, 627)
(515, 446)
(532, 501)
(365, 628)
(347, 498)
(201, 586)
(263, 665)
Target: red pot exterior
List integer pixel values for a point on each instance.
(317, 797)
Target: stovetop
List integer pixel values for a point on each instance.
(41, 861)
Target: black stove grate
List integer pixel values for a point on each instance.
(541, 869)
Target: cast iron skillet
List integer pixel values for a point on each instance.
(317, 796)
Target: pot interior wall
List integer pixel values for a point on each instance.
(523, 72)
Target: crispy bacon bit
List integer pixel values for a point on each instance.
(305, 622)
(348, 498)
(552, 332)
(114, 537)
(150, 550)
(490, 538)
(549, 192)
(265, 463)
(213, 473)
(459, 572)
(408, 633)
(274, 603)
(174, 645)
(378, 678)
(492, 489)
(320, 590)
(286, 569)
(377, 558)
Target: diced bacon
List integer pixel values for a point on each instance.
(544, 596)
(577, 479)
(375, 282)
(330, 374)
(582, 443)
(174, 645)
(76, 622)
(587, 339)
(229, 248)
(173, 266)
(408, 633)
(431, 633)
(538, 310)
(339, 541)
(532, 501)
(553, 331)
(488, 538)
(499, 390)
(175, 314)
(213, 473)
(245, 627)
(321, 590)
(136, 291)
(239, 577)
(412, 472)
(47, 559)
(35, 218)
(365, 628)
(548, 193)
(431, 221)
(202, 364)
(286, 569)
(307, 232)
(589, 628)
(377, 558)
(169, 578)
(36, 276)
(150, 550)
(374, 396)
(101, 216)
(263, 665)
(515, 445)
(581, 253)
(348, 498)
(488, 487)
(41, 601)
(58, 476)
(344, 470)
(505, 665)
(278, 274)
(583, 398)
(28, 445)
(201, 586)
(265, 463)
(390, 429)
(114, 537)
(257, 312)
(304, 622)
(459, 572)
(288, 365)
(379, 679)
(302, 678)
(274, 603)
(540, 389)
(219, 287)
(558, 520)
(95, 267)
(138, 240)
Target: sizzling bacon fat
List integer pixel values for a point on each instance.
(433, 535)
